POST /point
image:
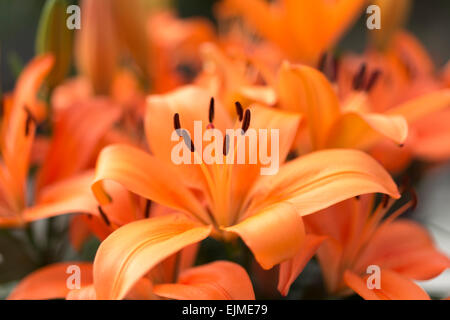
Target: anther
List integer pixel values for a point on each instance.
(385, 201)
(413, 198)
(322, 61)
(373, 79)
(187, 140)
(359, 77)
(30, 119)
(335, 69)
(246, 121)
(226, 145)
(104, 216)
(176, 121)
(211, 110)
(239, 110)
(148, 205)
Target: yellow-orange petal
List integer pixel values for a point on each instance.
(220, 280)
(359, 130)
(76, 135)
(404, 247)
(392, 287)
(321, 179)
(145, 175)
(286, 229)
(134, 249)
(417, 108)
(305, 90)
(290, 270)
(192, 104)
(86, 293)
(52, 281)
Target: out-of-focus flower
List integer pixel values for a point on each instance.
(329, 122)
(219, 280)
(235, 199)
(21, 112)
(111, 29)
(176, 48)
(302, 29)
(410, 86)
(76, 135)
(354, 236)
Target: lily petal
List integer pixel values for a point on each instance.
(285, 226)
(77, 134)
(304, 89)
(358, 130)
(423, 105)
(290, 270)
(132, 250)
(51, 282)
(393, 287)
(220, 280)
(146, 176)
(405, 247)
(313, 182)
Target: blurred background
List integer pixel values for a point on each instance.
(429, 21)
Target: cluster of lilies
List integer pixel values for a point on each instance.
(348, 125)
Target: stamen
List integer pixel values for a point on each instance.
(239, 110)
(148, 204)
(373, 79)
(30, 119)
(335, 69)
(357, 197)
(211, 110)
(246, 121)
(413, 198)
(187, 140)
(359, 77)
(104, 216)
(322, 61)
(385, 201)
(226, 145)
(176, 122)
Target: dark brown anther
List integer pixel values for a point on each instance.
(357, 197)
(401, 145)
(246, 121)
(322, 62)
(187, 140)
(148, 205)
(413, 198)
(211, 110)
(359, 77)
(385, 201)
(373, 79)
(239, 110)
(176, 121)
(104, 216)
(30, 119)
(226, 145)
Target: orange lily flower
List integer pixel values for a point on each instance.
(302, 29)
(351, 235)
(109, 29)
(409, 86)
(329, 122)
(21, 114)
(220, 280)
(175, 45)
(235, 200)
